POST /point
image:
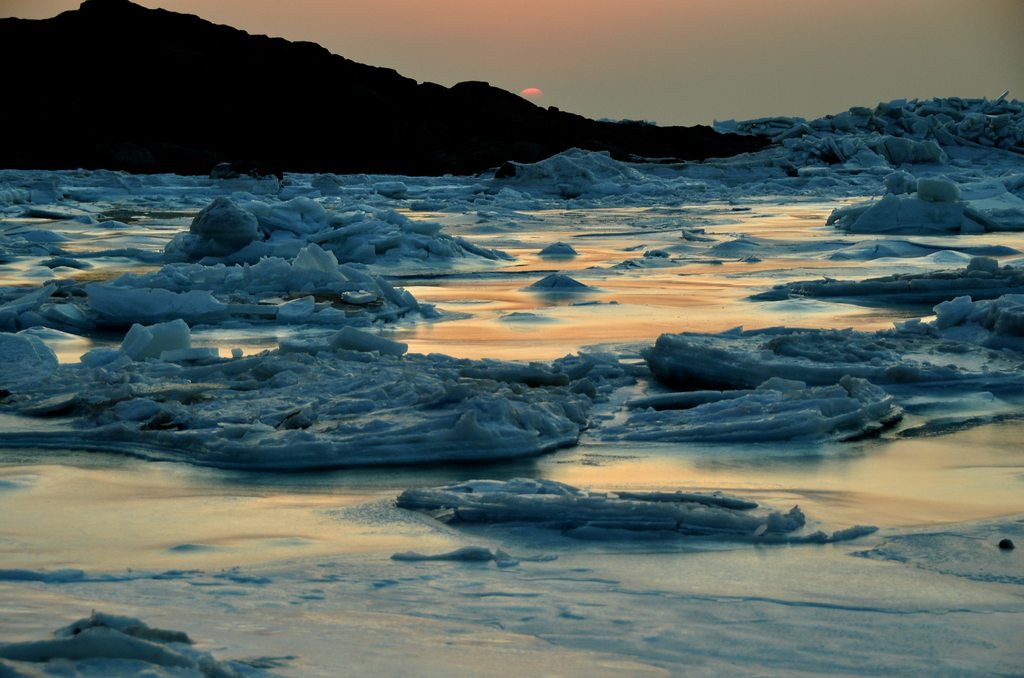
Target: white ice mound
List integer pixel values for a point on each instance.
(777, 410)
(982, 278)
(23, 360)
(572, 174)
(111, 645)
(311, 406)
(221, 228)
(227, 232)
(558, 250)
(558, 282)
(553, 505)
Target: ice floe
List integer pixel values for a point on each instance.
(353, 400)
(113, 645)
(914, 354)
(591, 513)
(982, 278)
(779, 409)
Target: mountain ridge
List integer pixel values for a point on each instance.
(119, 86)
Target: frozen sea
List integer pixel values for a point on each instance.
(552, 423)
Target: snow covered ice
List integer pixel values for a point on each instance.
(652, 364)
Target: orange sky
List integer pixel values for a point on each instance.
(672, 61)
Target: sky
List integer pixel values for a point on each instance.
(668, 61)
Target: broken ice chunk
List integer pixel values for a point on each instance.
(23, 358)
(149, 342)
(546, 504)
(296, 310)
(778, 409)
(900, 182)
(106, 644)
(119, 304)
(391, 189)
(312, 257)
(936, 189)
(351, 339)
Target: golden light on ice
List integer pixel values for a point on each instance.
(532, 93)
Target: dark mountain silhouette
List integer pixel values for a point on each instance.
(119, 86)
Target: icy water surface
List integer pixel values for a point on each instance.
(631, 298)
(368, 335)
